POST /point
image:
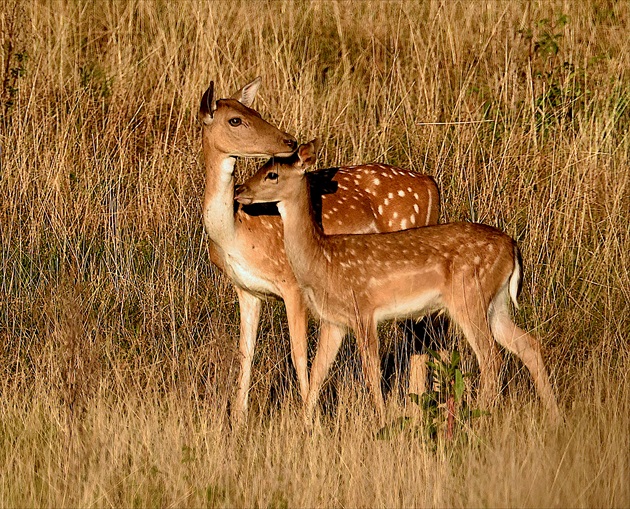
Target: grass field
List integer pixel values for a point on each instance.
(118, 355)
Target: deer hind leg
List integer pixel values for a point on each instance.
(367, 339)
(250, 307)
(526, 348)
(330, 339)
(298, 320)
(472, 319)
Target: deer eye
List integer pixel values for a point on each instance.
(235, 121)
(272, 175)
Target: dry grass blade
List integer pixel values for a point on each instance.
(118, 340)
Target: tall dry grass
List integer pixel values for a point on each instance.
(118, 338)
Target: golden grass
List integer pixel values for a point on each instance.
(118, 356)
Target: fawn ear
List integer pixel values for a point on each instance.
(208, 105)
(247, 94)
(307, 153)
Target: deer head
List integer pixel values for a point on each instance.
(233, 128)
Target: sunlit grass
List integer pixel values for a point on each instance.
(119, 355)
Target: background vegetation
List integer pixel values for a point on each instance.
(118, 338)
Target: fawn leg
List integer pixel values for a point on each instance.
(298, 320)
(330, 339)
(371, 363)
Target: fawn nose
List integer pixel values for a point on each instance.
(238, 195)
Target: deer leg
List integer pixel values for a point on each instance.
(472, 319)
(526, 348)
(489, 359)
(330, 339)
(250, 307)
(367, 338)
(298, 320)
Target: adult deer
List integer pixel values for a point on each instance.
(354, 281)
(247, 244)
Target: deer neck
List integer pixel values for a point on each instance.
(218, 200)
(304, 241)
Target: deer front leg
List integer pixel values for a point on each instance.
(250, 307)
(297, 317)
(367, 338)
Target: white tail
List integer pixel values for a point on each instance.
(248, 245)
(355, 281)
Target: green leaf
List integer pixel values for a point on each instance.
(393, 429)
(478, 413)
(434, 354)
(429, 400)
(563, 19)
(459, 385)
(431, 365)
(415, 398)
(455, 359)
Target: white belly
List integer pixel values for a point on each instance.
(414, 307)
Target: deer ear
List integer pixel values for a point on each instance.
(247, 94)
(208, 105)
(307, 153)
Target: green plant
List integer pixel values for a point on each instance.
(445, 404)
(558, 83)
(444, 407)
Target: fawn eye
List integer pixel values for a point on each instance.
(272, 175)
(235, 121)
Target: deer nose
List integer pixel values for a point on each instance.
(291, 143)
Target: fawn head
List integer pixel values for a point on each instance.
(233, 128)
(279, 178)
